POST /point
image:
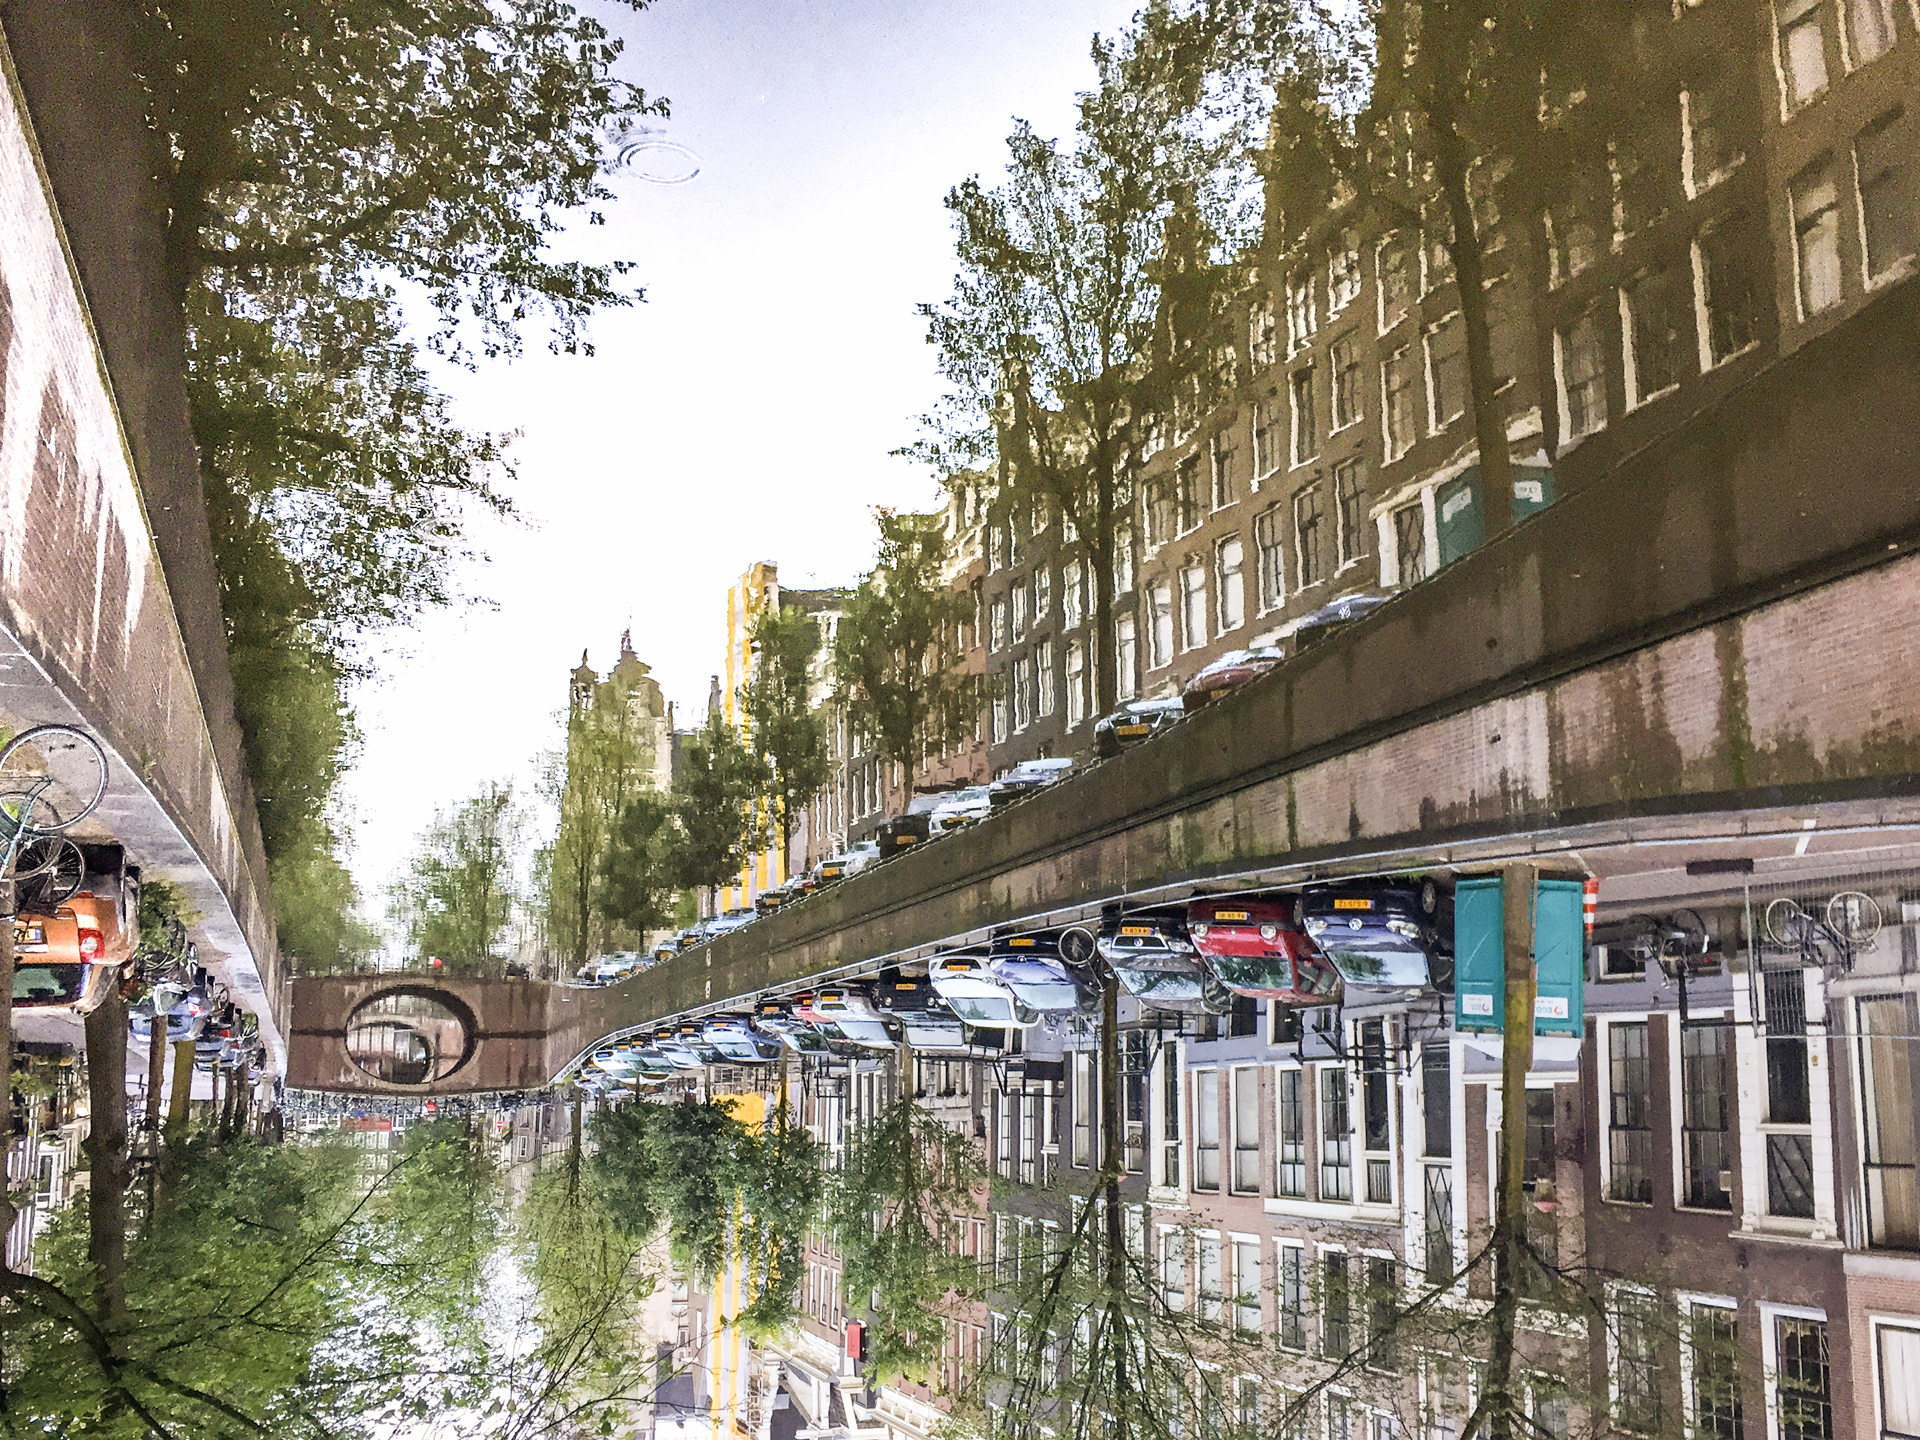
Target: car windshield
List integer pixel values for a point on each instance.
(1045, 995)
(1380, 961)
(1254, 972)
(982, 1009)
(1160, 985)
(48, 984)
(863, 1032)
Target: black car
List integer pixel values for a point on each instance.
(903, 832)
(1025, 778)
(1389, 934)
(1317, 626)
(1134, 722)
(1155, 961)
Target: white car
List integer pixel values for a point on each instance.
(976, 997)
(958, 808)
(853, 1015)
(732, 920)
(848, 863)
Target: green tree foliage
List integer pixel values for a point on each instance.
(785, 1185)
(320, 163)
(895, 667)
(789, 733)
(715, 797)
(1087, 289)
(638, 869)
(609, 762)
(458, 895)
(904, 1180)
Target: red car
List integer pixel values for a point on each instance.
(1257, 948)
(1229, 672)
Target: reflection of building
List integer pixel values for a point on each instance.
(44, 1161)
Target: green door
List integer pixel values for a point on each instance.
(1463, 525)
(1480, 970)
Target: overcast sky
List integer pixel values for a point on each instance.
(746, 410)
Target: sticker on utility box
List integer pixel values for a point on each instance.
(1476, 1004)
(1550, 1007)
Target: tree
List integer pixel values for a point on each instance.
(785, 1182)
(789, 733)
(894, 666)
(904, 1181)
(715, 799)
(458, 895)
(315, 160)
(638, 868)
(1084, 298)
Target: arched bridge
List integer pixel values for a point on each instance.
(1711, 653)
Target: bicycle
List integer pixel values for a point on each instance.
(51, 778)
(1850, 923)
(1675, 942)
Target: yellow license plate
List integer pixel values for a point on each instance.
(1229, 914)
(831, 871)
(1023, 940)
(906, 839)
(1353, 904)
(904, 985)
(1129, 729)
(1136, 930)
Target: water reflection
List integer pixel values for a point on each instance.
(405, 1037)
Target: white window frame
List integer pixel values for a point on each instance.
(1876, 1323)
(1770, 1358)
(1436, 422)
(1687, 1301)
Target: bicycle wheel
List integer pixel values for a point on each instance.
(1854, 916)
(1784, 923)
(51, 777)
(49, 872)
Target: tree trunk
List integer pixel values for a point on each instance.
(1509, 1226)
(106, 1146)
(1100, 550)
(1489, 418)
(156, 1071)
(573, 1144)
(182, 1096)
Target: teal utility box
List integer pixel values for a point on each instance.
(1559, 956)
(1462, 520)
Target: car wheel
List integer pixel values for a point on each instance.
(1429, 896)
(1076, 945)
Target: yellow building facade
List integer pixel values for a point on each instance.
(747, 598)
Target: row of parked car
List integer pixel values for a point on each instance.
(1298, 948)
(223, 1036)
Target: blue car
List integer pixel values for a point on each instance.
(1386, 934)
(1043, 971)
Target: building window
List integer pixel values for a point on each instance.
(1076, 683)
(1193, 606)
(1653, 335)
(1187, 495)
(1713, 1365)
(1397, 401)
(1261, 332)
(998, 611)
(1446, 374)
(1126, 658)
(1410, 542)
(1306, 537)
(1802, 1394)
(1789, 1095)
(1246, 1286)
(1436, 260)
(1583, 378)
(1173, 1268)
(1635, 1337)
(1376, 1122)
(1293, 1295)
(1803, 50)
(1724, 260)
(1869, 30)
(1292, 1175)
(1343, 273)
(1396, 288)
(1044, 677)
(1641, 179)
(1042, 592)
(1889, 200)
(1345, 363)
(1336, 1302)
(1269, 545)
(1705, 1090)
(1225, 491)
(1083, 1105)
(1350, 509)
(1022, 687)
(1229, 565)
(1816, 238)
(1306, 426)
(1019, 613)
(1073, 594)
(1630, 1109)
(1206, 1129)
(1170, 1117)
(1383, 1312)
(1888, 1150)
(1438, 1203)
(1211, 1296)
(996, 547)
(1159, 624)
(1122, 562)
(1156, 505)
(1573, 239)
(1708, 137)
(1300, 322)
(1246, 1130)
(1896, 1359)
(1336, 1136)
(999, 719)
